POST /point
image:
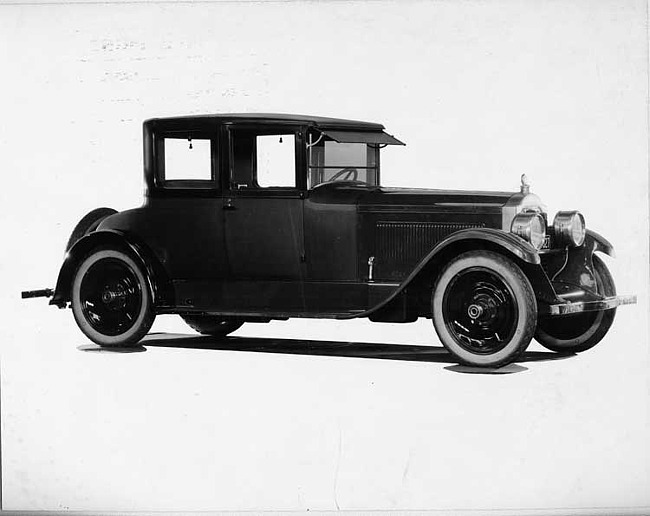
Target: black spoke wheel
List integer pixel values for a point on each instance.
(479, 310)
(212, 324)
(111, 298)
(484, 309)
(574, 333)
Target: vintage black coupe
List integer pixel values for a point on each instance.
(253, 218)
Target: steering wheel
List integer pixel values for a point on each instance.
(348, 174)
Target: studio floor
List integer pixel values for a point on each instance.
(315, 415)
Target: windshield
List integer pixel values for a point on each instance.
(333, 161)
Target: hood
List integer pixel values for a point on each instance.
(508, 204)
(450, 198)
(502, 205)
(387, 196)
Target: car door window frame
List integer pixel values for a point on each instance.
(299, 160)
(211, 184)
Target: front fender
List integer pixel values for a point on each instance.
(507, 241)
(472, 239)
(600, 243)
(572, 271)
(113, 238)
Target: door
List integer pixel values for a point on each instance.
(182, 222)
(263, 220)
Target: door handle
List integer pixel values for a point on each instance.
(228, 205)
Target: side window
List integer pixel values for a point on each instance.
(262, 160)
(276, 160)
(186, 161)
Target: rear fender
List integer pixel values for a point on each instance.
(158, 281)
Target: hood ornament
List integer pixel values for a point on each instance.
(525, 184)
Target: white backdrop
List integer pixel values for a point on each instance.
(480, 92)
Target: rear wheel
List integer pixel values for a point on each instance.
(111, 298)
(579, 332)
(484, 309)
(212, 324)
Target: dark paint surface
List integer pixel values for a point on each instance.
(264, 238)
(185, 234)
(256, 118)
(295, 252)
(228, 252)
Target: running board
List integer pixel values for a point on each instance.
(267, 314)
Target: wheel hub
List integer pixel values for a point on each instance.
(113, 296)
(484, 306)
(474, 311)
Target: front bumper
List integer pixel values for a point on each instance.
(587, 306)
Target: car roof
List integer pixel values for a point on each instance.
(317, 121)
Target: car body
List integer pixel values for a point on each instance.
(253, 218)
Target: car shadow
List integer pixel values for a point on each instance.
(414, 353)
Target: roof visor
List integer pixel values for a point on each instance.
(369, 137)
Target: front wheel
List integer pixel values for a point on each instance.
(111, 298)
(484, 309)
(579, 332)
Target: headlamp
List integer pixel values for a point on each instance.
(530, 226)
(569, 228)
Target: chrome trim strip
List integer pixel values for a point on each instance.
(590, 306)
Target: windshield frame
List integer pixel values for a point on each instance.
(350, 173)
